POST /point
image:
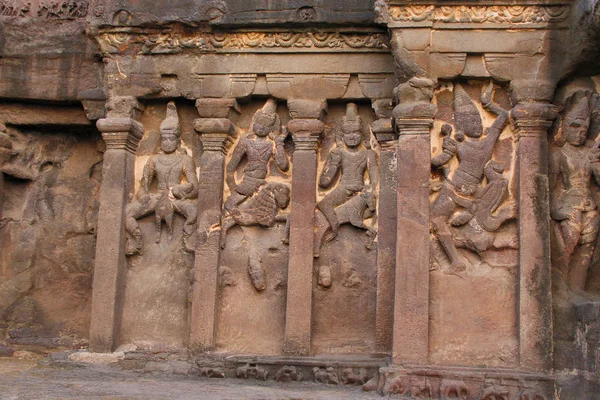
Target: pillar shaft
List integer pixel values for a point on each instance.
(411, 310)
(122, 136)
(216, 136)
(531, 122)
(298, 320)
(386, 233)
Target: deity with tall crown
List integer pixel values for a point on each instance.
(176, 186)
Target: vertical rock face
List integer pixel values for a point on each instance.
(48, 224)
(322, 185)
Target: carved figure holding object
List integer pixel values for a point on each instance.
(174, 196)
(473, 148)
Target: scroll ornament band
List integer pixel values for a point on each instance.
(479, 14)
(169, 42)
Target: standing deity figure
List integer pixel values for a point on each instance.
(172, 195)
(351, 159)
(473, 147)
(265, 142)
(572, 164)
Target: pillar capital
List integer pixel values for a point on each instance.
(532, 119)
(216, 126)
(306, 126)
(121, 133)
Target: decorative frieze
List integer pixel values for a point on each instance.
(500, 14)
(169, 42)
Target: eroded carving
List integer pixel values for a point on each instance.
(531, 394)
(350, 377)
(174, 195)
(573, 163)
(454, 389)
(325, 375)
(288, 374)
(495, 392)
(211, 372)
(252, 371)
(414, 386)
(462, 200)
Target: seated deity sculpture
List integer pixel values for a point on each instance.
(351, 199)
(172, 195)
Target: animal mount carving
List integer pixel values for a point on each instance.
(573, 163)
(454, 389)
(252, 371)
(288, 374)
(463, 200)
(254, 201)
(173, 196)
(352, 200)
(325, 375)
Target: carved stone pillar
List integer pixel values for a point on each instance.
(386, 224)
(122, 134)
(530, 123)
(216, 128)
(306, 128)
(413, 118)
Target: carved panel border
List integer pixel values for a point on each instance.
(128, 40)
(478, 14)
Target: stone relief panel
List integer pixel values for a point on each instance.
(160, 221)
(474, 241)
(574, 176)
(345, 233)
(254, 232)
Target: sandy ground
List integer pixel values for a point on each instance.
(36, 379)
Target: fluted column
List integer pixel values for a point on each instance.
(413, 117)
(306, 129)
(387, 138)
(122, 134)
(531, 121)
(216, 129)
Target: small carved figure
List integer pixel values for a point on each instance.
(288, 374)
(452, 389)
(349, 377)
(258, 148)
(173, 196)
(253, 371)
(474, 151)
(211, 372)
(572, 165)
(351, 160)
(325, 375)
(416, 387)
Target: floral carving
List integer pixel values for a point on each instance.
(479, 14)
(169, 42)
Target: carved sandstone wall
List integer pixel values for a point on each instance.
(397, 195)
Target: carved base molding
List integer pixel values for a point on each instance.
(433, 382)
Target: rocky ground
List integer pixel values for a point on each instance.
(27, 376)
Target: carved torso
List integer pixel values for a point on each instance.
(353, 166)
(259, 153)
(575, 173)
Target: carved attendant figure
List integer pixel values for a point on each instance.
(258, 149)
(352, 161)
(474, 152)
(174, 196)
(572, 165)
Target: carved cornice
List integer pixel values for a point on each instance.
(121, 40)
(478, 14)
